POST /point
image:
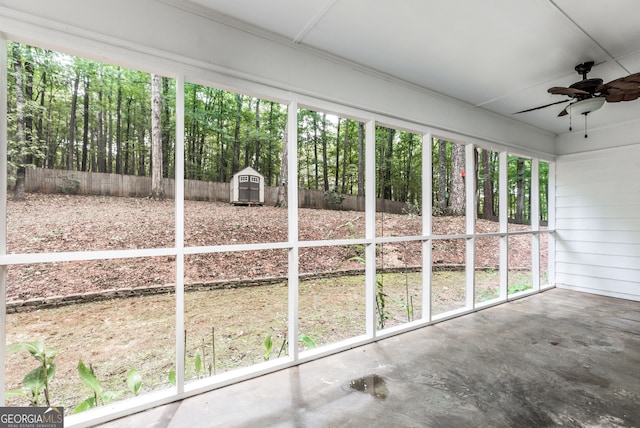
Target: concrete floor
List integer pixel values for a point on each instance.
(559, 358)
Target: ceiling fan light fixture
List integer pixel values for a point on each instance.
(587, 106)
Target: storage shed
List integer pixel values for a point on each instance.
(247, 187)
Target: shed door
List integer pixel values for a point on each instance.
(254, 189)
(248, 188)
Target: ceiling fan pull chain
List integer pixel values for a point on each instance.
(585, 125)
(570, 128)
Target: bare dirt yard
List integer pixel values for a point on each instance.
(226, 326)
(67, 223)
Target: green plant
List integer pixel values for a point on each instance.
(412, 210)
(36, 382)
(98, 397)
(381, 297)
(521, 285)
(134, 381)
(69, 185)
(333, 198)
(268, 344)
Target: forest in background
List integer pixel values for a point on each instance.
(76, 114)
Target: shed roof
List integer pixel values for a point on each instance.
(247, 171)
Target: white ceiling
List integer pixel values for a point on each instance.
(499, 55)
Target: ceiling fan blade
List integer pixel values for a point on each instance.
(572, 92)
(565, 111)
(540, 107)
(630, 82)
(614, 95)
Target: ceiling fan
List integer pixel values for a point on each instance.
(589, 95)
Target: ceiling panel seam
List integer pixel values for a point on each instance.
(327, 6)
(579, 27)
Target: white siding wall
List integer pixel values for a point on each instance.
(598, 222)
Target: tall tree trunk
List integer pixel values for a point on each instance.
(236, 136)
(325, 167)
(28, 118)
(315, 152)
(166, 129)
(443, 178)
(520, 191)
(487, 204)
(308, 169)
(72, 123)
(361, 159)
(457, 198)
(40, 125)
(85, 127)
(18, 190)
(407, 183)
(102, 140)
(223, 148)
(142, 149)
(335, 183)
(110, 133)
(282, 199)
(119, 130)
(157, 188)
(270, 149)
(344, 157)
(388, 157)
(256, 155)
(51, 145)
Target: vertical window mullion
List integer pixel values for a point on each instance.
(470, 208)
(179, 238)
(551, 223)
(3, 210)
(370, 227)
(535, 224)
(503, 218)
(427, 223)
(292, 207)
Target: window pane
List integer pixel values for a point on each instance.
(487, 208)
(519, 255)
(398, 181)
(331, 293)
(234, 301)
(233, 155)
(331, 175)
(519, 184)
(487, 274)
(110, 331)
(544, 195)
(448, 279)
(449, 198)
(544, 259)
(398, 283)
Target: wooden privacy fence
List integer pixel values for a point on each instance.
(41, 180)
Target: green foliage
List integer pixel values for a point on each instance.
(521, 285)
(69, 185)
(98, 397)
(307, 342)
(381, 302)
(333, 199)
(197, 364)
(268, 346)
(134, 381)
(413, 210)
(36, 382)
